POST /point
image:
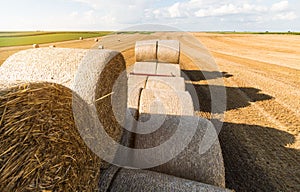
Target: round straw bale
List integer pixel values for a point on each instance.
(92, 74)
(120, 179)
(100, 47)
(168, 51)
(166, 102)
(35, 46)
(145, 68)
(162, 112)
(41, 148)
(52, 46)
(96, 39)
(80, 38)
(168, 69)
(206, 167)
(166, 83)
(146, 50)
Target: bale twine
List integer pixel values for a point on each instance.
(168, 51)
(166, 83)
(146, 51)
(175, 108)
(35, 46)
(145, 68)
(120, 179)
(168, 69)
(40, 146)
(99, 70)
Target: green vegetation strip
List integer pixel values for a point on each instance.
(28, 38)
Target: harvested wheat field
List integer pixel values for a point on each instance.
(260, 137)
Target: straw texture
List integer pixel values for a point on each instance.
(168, 69)
(146, 50)
(166, 83)
(40, 146)
(206, 167)
(117, 179)
(135, 85)
(168, 51)
(166, 102)
(145, 68)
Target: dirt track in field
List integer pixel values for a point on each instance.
(260, 137)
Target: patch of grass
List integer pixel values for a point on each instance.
(28, 38)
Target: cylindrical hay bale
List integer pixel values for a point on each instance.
(163, 112)
(145, 68)
(119, 179)
(80, 38)
(35, 46)
(166, 83)
(41, 148)
(166, 102)
(168, 51)
(96, 73)
(96, 39)
(100, 47)
(168, 69)
(146, 50)
(191, 163)
(52, 46)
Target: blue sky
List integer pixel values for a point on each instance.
(187, 15)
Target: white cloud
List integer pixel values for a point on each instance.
(184, 14)
(200, 8)
(285, 16)
(280, 6)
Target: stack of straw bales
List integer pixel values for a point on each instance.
(163, 97)
(40, 147)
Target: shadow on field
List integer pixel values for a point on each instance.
(256, 158)
(196, 75)
(236, 97)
